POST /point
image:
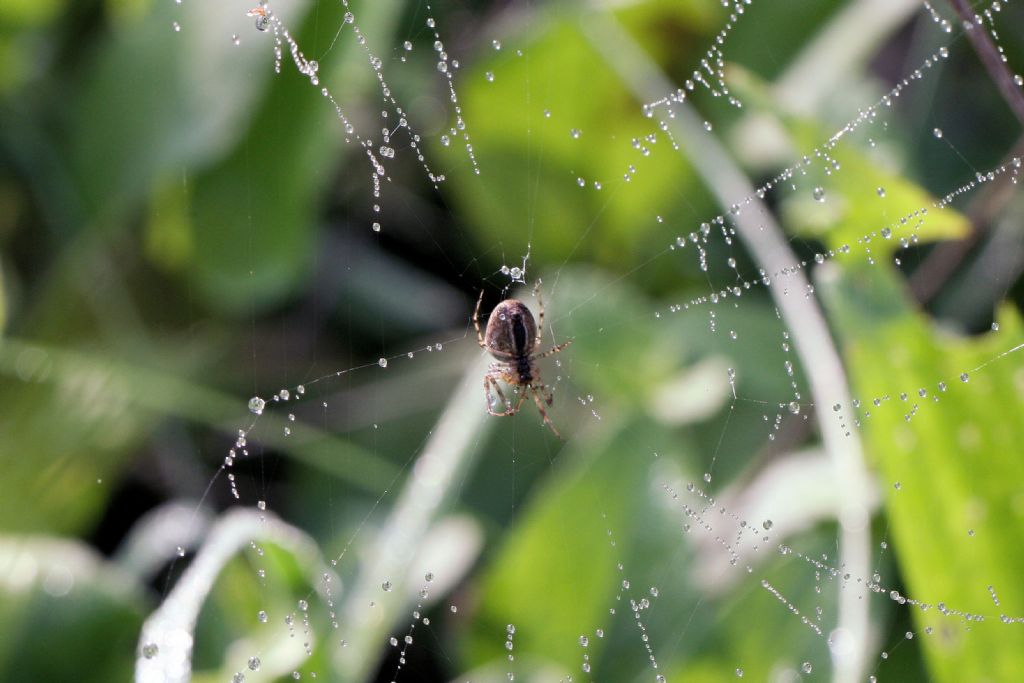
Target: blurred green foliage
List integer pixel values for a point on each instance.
(182, 228)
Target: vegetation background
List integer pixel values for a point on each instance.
(182, 228)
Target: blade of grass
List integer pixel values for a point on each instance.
(445, 459)
(171, 395)
(165, 644)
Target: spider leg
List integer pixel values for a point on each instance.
(543, 413)
(543, 390)
(491, 382)
(553, 350)
(476, 321)
(519, 403)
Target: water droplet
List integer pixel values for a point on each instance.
(429, 576)
(584, 641)
(794, 407)
(383, 362)
(510, 629)
(489, 76)
(496, 44)
(150, 650)
(239, 677)
(767, 524)
(262, 22)
(881, 192)
(819, 194)
(256, 405)
(430, 22)
(386, 586)
(739, 673)
(376, 226)
(254, 663)
(995, 327)
(937, 132)
(964, 377)
(806, 667)
(407, 45)
(262, 616)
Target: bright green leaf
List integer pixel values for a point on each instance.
(949, 459)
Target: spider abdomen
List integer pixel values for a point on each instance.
(511, 332)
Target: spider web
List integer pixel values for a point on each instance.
(703, 516)
(826, 580)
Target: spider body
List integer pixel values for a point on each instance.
(512, 337)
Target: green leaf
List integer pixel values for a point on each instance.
(555, 576)
(953, 449)
(868, 208)
(66, 614)
(29, 13)
(254, 223)
(144, 109)
(854, 199)
(522, 128)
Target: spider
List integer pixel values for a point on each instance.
(511, 337)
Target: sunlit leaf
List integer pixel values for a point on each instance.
(945, 439)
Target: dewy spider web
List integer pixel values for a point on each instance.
(726, 532)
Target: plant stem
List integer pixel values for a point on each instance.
(990, 57)
(766, 242)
